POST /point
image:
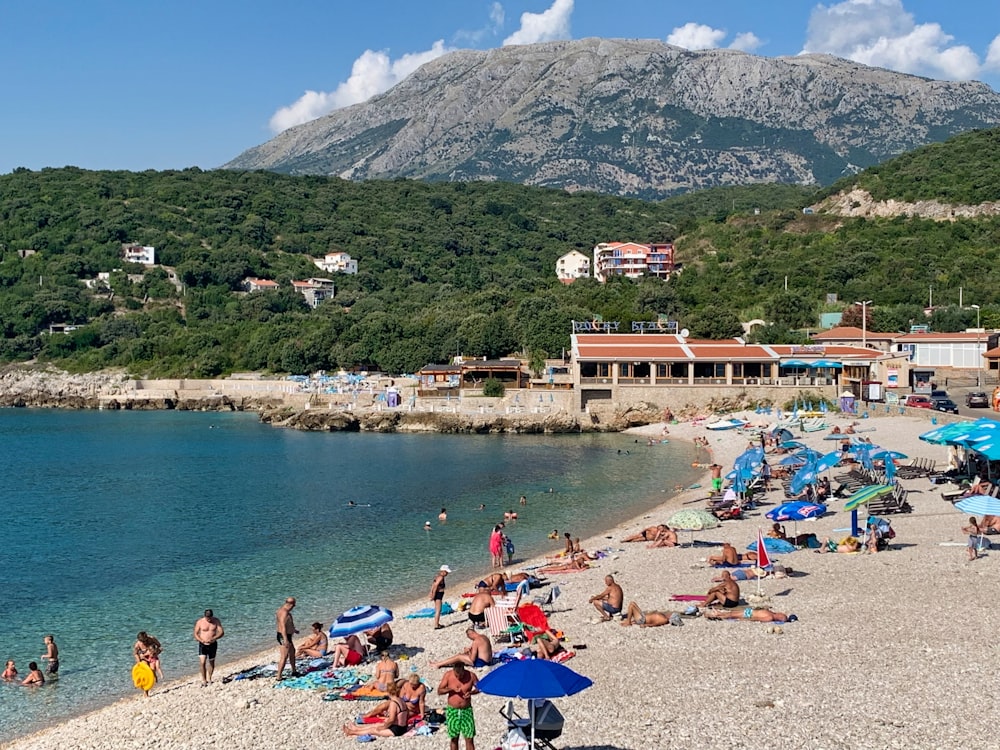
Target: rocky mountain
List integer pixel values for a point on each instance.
(630, 117)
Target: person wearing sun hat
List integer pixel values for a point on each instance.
(437, 594)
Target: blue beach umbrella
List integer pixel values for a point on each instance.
(884, 454)
(827, 364)
(979, 505)
(793, 460)
(793, 363)
(805, 475)
(890, 470)
(357, 619)
(796, 511)
(827, 462)
(532, 679)
(791, 445)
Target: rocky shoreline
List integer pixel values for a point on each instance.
(43, 387)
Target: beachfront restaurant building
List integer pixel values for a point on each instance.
(655, 367)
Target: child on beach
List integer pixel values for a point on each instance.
(51, 654)
(972, 529)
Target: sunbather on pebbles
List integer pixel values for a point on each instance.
(750, 614)
(651, 619)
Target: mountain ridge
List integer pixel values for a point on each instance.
(630, 117)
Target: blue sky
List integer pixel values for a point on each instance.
(116, 84)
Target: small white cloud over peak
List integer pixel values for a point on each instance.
(490, 30)
(696, 36)
(746, 42)
(372, 73)
(546, 26)
(884, 34)
(993, 54)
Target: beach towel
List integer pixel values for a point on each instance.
(446, 609)
(564, 656)
(687, 597)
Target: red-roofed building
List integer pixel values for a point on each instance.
(630, 367)
(259, 285)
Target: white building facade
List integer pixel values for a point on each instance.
(572, 266)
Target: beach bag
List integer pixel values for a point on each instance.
(515, 740)
(434, 717)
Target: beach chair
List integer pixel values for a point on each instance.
(513, 599)
(504, 624)
(547, 720)
(548, 600)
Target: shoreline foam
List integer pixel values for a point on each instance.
(892, 650)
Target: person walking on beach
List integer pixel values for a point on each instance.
(437, 594)
(207, 631)
(459, 685)
(51, 655)
(285, 628)
(974, 532)
(147, 648)
(716, 470)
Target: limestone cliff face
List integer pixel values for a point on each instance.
(632, 117)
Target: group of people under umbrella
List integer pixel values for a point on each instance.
(533, 680)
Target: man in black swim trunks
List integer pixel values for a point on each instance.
(207, 631)
(726, 593)
(482, 601)
(285, 629)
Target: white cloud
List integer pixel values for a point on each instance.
(493, 28)
(746, 42)
(372, 73)
(696, 36)
(884, 34)
(545, 26)
(993, 54)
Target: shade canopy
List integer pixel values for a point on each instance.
(862, 496)
(793, 363)
(358, 619)
(692, 519)
(827, 364)
(979, 505)
(533, 679)
(796, 511)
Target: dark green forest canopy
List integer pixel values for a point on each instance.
(444, 268)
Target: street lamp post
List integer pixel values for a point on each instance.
(979, 354)
(864, 322)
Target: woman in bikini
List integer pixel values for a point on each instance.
(414, 693)
(396, 721)
(386, 671)
(148, 649)
(315, 644)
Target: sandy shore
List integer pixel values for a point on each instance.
(891, 650)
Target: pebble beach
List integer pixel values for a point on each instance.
(895, 649)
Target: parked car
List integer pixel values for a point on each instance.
(939, 394)
(977, 399)
(944, 404)
(918, 401)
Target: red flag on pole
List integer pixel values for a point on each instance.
(763, 559)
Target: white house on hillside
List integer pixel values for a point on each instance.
(572, 266)
(133, 253)
(259, 285)
(314, 290)
(337, 263)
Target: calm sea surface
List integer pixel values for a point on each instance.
(115, 522)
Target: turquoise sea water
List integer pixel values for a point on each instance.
(115, 522)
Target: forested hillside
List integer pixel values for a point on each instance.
(445, 268)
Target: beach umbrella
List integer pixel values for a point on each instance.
(827, 462)
(791, 445)
(890, 470)
(863, 495)
(979, 505)
(828, 364)
(989, 449)
(884, 454)
(807, 474)
(796, 511)
(357, 619)
(531, 680)
(781, 434)
(793, 363)
(793, 459)
(773, 546)
(692, 519)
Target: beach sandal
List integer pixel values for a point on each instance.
(366, 738)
